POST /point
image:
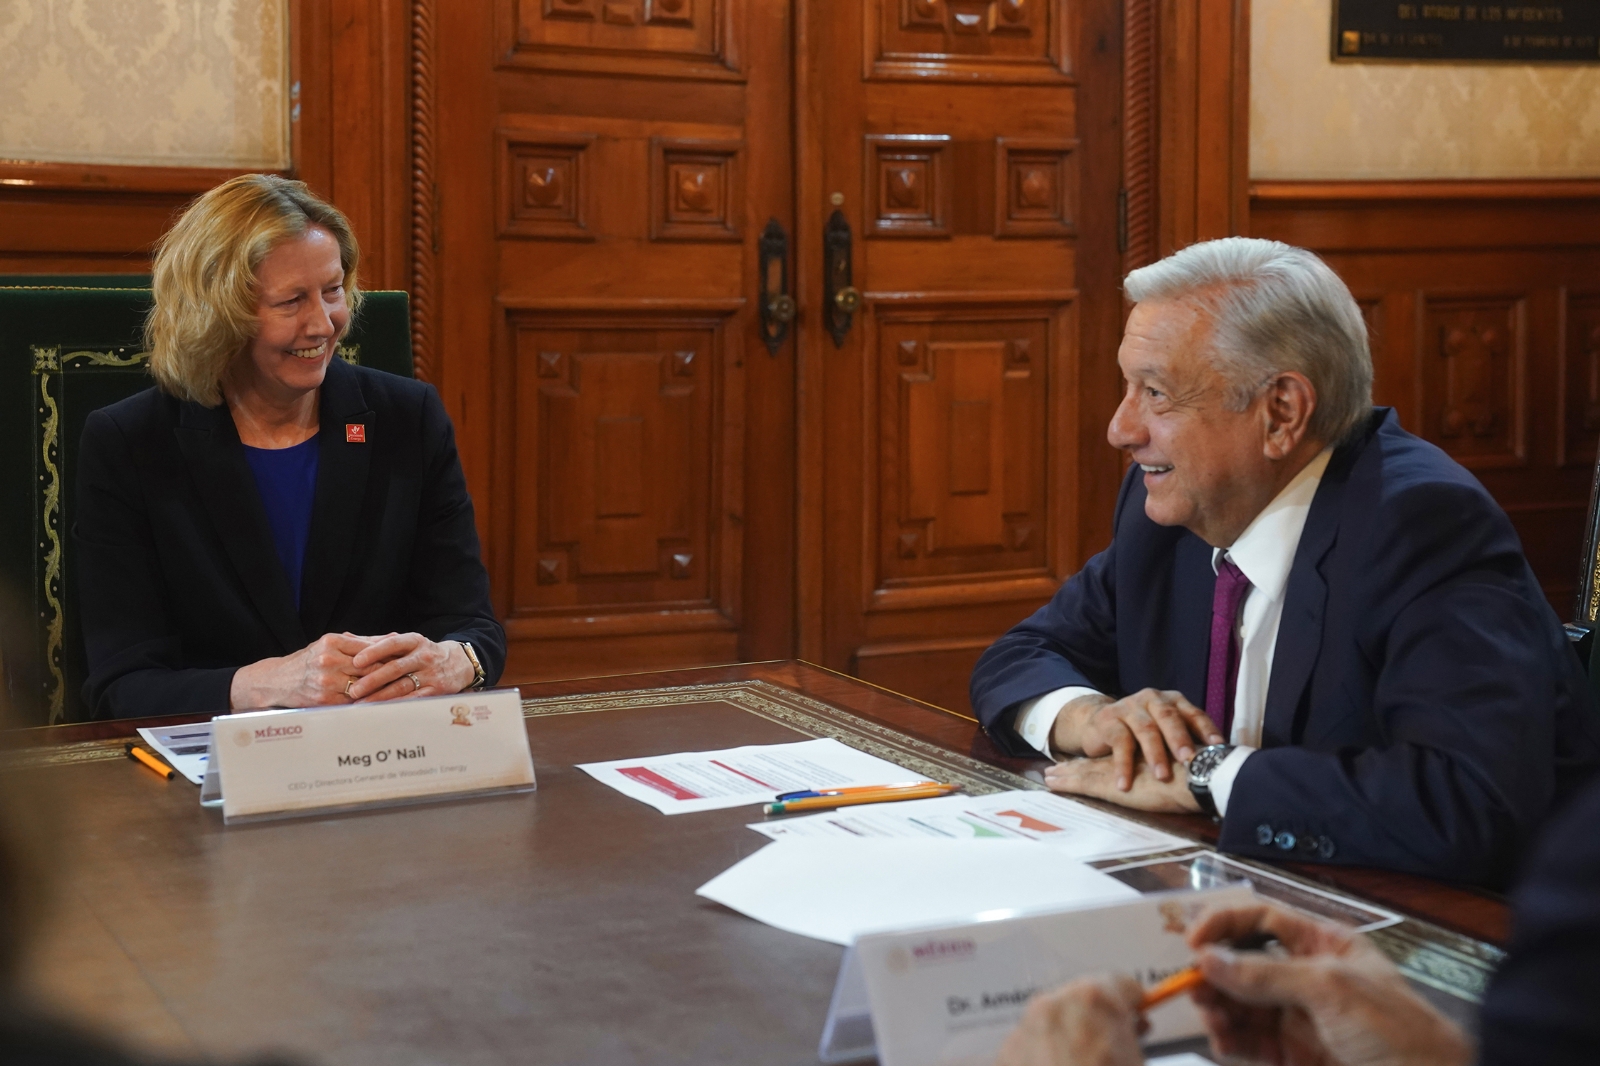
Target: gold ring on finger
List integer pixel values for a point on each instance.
(415, 682)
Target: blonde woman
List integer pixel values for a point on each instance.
(269, 526)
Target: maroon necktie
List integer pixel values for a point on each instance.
(1222, 669)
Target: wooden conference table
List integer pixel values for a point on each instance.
(556, 927)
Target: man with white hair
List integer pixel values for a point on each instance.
(1310, 624)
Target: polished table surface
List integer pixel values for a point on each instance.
(554, 927)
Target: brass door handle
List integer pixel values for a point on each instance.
(776, 306)
(841, 299)
(780, 308)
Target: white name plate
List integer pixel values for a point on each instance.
(276, 763)
(949, 996)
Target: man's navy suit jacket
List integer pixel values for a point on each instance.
(1424, 712)
(180, 582)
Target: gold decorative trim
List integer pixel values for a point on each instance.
(805, 715)
(1594, 587)
(46, 361)
(50, 366)
(1440, 959)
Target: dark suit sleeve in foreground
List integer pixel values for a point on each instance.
(1468, 678)
(448, 583)
(1543, 1004)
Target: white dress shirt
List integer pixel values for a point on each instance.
(1265, 553)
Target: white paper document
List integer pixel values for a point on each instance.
(183, 746)
(838, 889)
(1075, 828)
(737, 777)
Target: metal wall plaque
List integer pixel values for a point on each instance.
(1566, 32)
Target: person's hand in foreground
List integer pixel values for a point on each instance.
(1335, 1000)
(1162, 726)
(1090, 1022)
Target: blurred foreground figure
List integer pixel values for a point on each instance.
(1335, 1000)
(30, 819)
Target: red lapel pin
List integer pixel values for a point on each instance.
(355, 433)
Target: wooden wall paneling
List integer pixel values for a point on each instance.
(455, 216)
(1138, 233)
(1478, 294)
(351, 63)
(1201, 92)
(812, 35)
(424, 214)
(1088, 491)
(768, 519)
(1473, 370)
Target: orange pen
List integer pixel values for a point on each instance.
(1189, 977)
(140, 755)
(874, 795)
(1177, 984)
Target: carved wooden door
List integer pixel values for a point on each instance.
(968, 152)
(656, 488)
(605, 169)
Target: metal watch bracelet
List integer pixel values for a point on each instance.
(478, 676)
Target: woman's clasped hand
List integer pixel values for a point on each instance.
(347, 668)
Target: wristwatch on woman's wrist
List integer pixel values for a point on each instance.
(478, 676)
(1201, 767)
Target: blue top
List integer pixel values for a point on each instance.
(287, 481)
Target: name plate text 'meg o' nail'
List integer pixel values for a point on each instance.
(275, 763)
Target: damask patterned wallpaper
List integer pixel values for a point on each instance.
(146, 82)
(1313, 119)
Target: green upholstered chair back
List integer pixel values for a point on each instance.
(66, 350)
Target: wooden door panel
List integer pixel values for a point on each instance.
(624, 469)
(607, 239)
(612, 501)
(952, 435)
(967, 264)
(961, 474)
(694, 39)
(966, 40)
(1036, 183)
(544, 180)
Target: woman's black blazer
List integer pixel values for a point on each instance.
(180, 584)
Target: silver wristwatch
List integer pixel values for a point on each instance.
(1201, 767)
